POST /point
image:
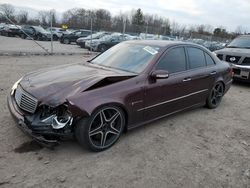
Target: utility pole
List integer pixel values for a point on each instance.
(146, 30)
(124, 27)
(51, 34)
(91, 28)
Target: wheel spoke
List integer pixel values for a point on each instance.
(113, 118)
(103, 117)
(103, 139)
(96, 131)
(219, 95)
(114, 130)
(214, 101)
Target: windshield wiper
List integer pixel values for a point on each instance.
(232, 47)
(238, 47)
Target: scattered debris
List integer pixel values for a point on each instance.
(61, 179)
(39, 158)
(88, 175)
(13, 175)
(244, 143)
(46, 162)
(160, 135)
(247, 173)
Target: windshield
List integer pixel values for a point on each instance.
(127, 57)
(242, 42)
(40, 29)
(96, 35)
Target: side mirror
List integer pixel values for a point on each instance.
(159, 74)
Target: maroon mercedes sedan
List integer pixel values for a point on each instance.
(129, 85)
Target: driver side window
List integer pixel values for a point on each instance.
(173, 61)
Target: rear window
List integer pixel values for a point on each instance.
(196, 58)
(209, 60)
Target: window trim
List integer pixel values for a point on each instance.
(169, 49)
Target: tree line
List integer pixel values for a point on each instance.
(134, 21)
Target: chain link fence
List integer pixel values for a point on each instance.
(145, 30)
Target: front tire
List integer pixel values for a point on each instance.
(102, 129)
(215, 96)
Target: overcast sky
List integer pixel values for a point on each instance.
(229, 13)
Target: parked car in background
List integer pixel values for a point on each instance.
(238, 54)
(131, 84)
(10, 30)
(147, 36)
(81, 41)
(106, 42)
(56, 32)
(72, 37)
(162, 37)
(36, 32)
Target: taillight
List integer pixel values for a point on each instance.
(231, 72)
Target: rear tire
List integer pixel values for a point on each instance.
(66, 41)
(23, 36)
(55, 37)
(102, 48)
(215, 96)
(102, 129)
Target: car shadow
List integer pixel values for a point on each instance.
(241, 83)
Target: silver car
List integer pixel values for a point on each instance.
(238, 54)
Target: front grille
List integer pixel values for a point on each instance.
(25, 101)
(220, 56)
(246, 61)
(237, 58)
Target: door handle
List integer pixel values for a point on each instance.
(213, 73)
(187, 79)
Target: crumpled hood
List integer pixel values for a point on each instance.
(54, 85)
(234, 51)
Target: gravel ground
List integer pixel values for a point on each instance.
(199, 148)
(14, 45)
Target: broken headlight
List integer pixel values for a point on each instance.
(58, 117)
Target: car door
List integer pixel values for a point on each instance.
(75, 36)
(166, 96)
(202, 73)
(114, 40)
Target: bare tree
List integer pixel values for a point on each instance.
(44, 17)
(7, 10)
(239, 30)
(52, 17)
(22, 17)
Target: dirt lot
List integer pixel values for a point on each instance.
(199, 148)
(14, 45)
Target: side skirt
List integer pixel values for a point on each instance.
(166, 115)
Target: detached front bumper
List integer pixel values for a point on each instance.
(241, 72)
(23, 124)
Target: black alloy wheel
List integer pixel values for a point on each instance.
(102, 129)
(215, 95)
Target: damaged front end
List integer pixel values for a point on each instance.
(51, 121)
(45, 124)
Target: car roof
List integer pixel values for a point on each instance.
(161, 43)
(244, 36)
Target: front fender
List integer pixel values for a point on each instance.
(84, 108)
